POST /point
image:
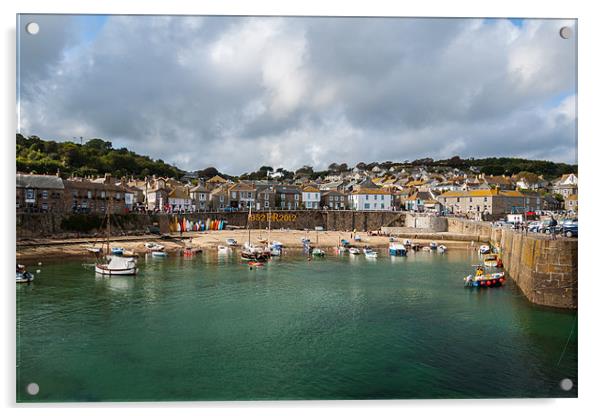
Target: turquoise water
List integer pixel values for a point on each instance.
(209, 328)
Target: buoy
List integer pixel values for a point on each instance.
(39, 263)
(488, 283)
(38, 271)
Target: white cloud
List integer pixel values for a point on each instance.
(238, 93)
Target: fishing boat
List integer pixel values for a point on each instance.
(492, 260)
(158, 254)
(485, 249)
(354, 250)
(231, 242)
(433, 245)
(191, 251)
(114, 264)
(397, 249)
(23, 276)
(441, 248)
(482, 280)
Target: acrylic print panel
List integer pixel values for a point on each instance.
(315, 208)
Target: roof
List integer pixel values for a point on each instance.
(216, 179)
(39, 181)
(198, 189)
(287, 190)
(370, 191)
(310, 189)
(242, 187)
(179, 192)
(482, 193)
(85, 184)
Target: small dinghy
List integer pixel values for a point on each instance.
(441, 248)
(223, 249)
(354, 250)
(117, 265)
(318, 252)
(158, 254)
(433, 245)
(371, 254)
(117, 251)
(23, 276)
(231, 242)
(482, 280)
(484, 249)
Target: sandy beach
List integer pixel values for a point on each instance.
(209, 240)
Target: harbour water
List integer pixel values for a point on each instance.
(210, 328)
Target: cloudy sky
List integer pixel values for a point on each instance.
(237, 93)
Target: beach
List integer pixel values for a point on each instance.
(208, 240)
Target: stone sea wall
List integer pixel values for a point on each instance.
(544, 269)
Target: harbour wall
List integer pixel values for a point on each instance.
(544, 269)
(60, 225)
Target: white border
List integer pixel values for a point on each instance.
(590, 24)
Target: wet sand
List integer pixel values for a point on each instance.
(209, 240)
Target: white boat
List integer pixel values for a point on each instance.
(158, 254)
(23, 276)
(407, 242)
(433, 245)
(117, 265)
(371, 254)
(118, 251)
(441, 248)
(275, 251)
(95, 250)
(341, 249)
(231, 242)
(354, 250)
(484, 249)
(425, 248)
(154, 246)
(223, 249)
(318, 252)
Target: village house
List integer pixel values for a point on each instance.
(334, 199)
(288, 197)
(423, 202)
(242, 195)
(266, 197)
(178, 200)
(200, 198)
(85, 196)
(503, 183)
(39, 193)
(215, 182)
(157, 195)
(566, 185)
(373, 199)
(482, 203)
(310, 197)
(218, 198)
(570, 203)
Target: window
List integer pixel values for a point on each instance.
(103, 194)
(366, 206)
(458, 200)
(233, 195)
(296, 197)
(221, 198)
(470, 199)
(44, 194)
(375, 197)
(29, 194)
(382, 206)
(266, 204)
(382, 197)
(45, 206)
(330, 198)
(74, 194)
(485, 199)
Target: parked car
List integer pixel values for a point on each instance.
(534, 226)
(569, 230)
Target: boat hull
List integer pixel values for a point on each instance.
(100, 269)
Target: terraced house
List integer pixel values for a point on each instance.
(482, 203)
(39, 193)
(370, 199)
(310, 197)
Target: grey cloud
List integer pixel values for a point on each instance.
(237, 93)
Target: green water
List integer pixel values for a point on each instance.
(209, 328)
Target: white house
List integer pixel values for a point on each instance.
(179, 200)
(364, 199)
(310, 197)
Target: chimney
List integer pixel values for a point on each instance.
(108, 179)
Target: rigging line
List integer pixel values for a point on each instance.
(567, 341)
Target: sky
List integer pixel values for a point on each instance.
(237, 93)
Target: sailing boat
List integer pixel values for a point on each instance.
(249, 251)
(317, 252)
(275, 247)
(115, 265)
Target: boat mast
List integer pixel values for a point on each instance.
(109, 224)
(249, 226)
(269, 225)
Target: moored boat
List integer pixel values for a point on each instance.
(117, 265)
(397, 249)
(354, 250)
(441, 248)
(484, 249)
(433, 245)
(23, 276)
(371, 254)
(482, 280)
(492, 260)
(231, 242)
(317, 252)
(117, 251)
(158, 254)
